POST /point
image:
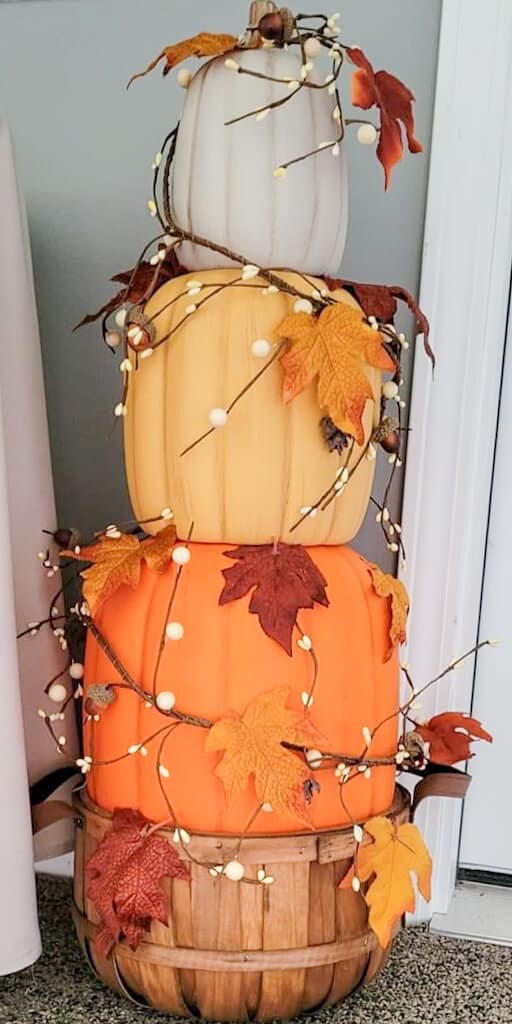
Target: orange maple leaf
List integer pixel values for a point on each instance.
(395, 853)
(338, 348)
(388, 586)
(252, 745)
(205, 44)
(394, 101)
(117, 561)
(157, 551)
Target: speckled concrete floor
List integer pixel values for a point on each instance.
(429, 980)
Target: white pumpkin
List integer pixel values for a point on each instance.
(223, 185)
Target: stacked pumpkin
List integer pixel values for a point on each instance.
(244, 687)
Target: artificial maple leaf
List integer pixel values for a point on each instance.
(252, 745)
(124, 876)
(205, 44)
(117, 561)
(140, 283)
(283, 578)
(388, 586)
(337, 347)
(394, 100)
(394, 854)
(380, 301)
(157, 551)
(450, 735)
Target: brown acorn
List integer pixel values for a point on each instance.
(140, 330)
(66, 538)
(271, 27)
(391, 443)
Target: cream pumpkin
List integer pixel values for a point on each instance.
(247, 481)
(223, 185)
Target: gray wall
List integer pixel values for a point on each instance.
(84, 150)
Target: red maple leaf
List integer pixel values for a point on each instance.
(124, 876)
(140, 283)
(394, 100)
(450, 736)
(380, 301)
(283, 579)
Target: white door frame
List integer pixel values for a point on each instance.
(464, 290)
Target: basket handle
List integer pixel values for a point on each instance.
(449, 782)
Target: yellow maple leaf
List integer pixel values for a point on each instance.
(338, 348)
(205, 44)
(395, 853)
(388, 586)
(117, 561)
(252, 745)
(157, 551)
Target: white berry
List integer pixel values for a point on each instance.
(57, 693)
(390, 389)
(174, 631)
(184, 78)
(234, 871)
(165, 700)
(366, 134)
(76, 670)
(261, 348)
(181, 555)
(217, 418)
(314, 758)
(113, 338)
(303, 306)
(120, 317)
(312, 47)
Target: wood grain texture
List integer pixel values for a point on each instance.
(242, 951)
(246, 482)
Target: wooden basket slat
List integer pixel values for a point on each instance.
(285, 926)
(181, 902)
(321, 930)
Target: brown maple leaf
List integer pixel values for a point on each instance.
(283, 578)
(338, 348)
(252, 745)
(394, 101)
(388, 586)
(450, 735)
(117, 561)
(394, 854)
(140, 283)
(205, 44)
(124, 878)
(380, 301)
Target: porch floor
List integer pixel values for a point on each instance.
(429, 980)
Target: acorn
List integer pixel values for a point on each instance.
(391, 443)
(99, 697)
(271, 27)
(387, 435)
(140, 330)
(277, 26)
(66, 538)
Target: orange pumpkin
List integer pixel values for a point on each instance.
(222, 662)
(246, 482)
